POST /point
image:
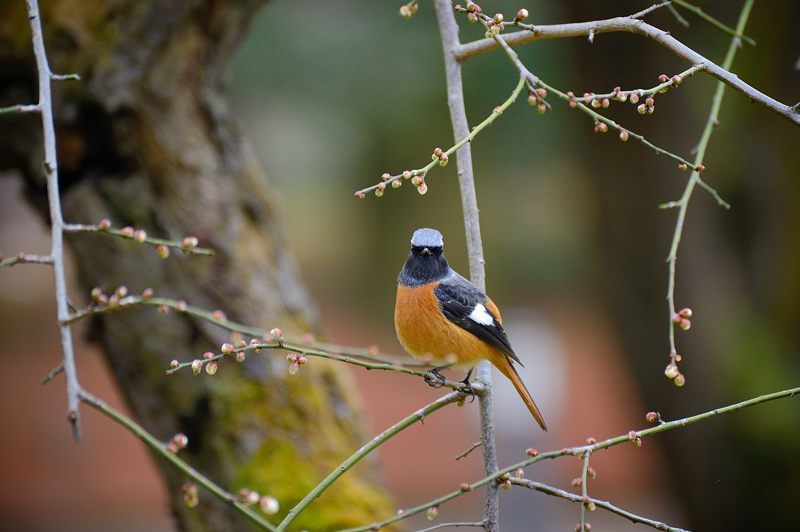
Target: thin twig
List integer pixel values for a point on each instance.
(476, 388)
(556, 492)
(577, 451)
(23, 258)
(185, 245)
(161, 449)
(536, 81)
(466, 453)
(584, 489)
(694, 179)
(56, 220)
(714, 22)
(475, 524)
(21, 108)
(377, 441)
(55, 372)
(680, 18)
(448, 28)
(532, 33)
(423, 172)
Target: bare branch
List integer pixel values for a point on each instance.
(632, 436)
(186, 245)
(724, 28)
(532, 33)
(682, 318)
(448, 28)
(22, 258)
(45, 106)
(162, 450)
(556, 492)
(377, 441)
(474, 524)
(34, 108)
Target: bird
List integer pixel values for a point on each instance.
(441, 315)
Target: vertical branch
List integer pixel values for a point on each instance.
(469, 204)
(694, 180)
(45, 105)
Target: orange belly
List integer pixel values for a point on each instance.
(424, 331)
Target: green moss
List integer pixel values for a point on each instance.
(304, 444)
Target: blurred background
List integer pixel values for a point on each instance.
(331, 95)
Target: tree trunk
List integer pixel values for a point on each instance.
(146, 139)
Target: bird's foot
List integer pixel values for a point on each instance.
(434, 378)
(468, 389)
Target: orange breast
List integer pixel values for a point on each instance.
(424, 331)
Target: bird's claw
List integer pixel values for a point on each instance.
(434, 378)
(467, 388)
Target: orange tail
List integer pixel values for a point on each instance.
(510, 371)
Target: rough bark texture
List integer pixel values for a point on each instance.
(146, 139)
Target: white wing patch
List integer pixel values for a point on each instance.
(480, 315)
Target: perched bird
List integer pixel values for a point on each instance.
(439, 313)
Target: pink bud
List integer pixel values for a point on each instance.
(104, 224)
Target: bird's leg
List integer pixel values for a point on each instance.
(436, 379)
(468, 385)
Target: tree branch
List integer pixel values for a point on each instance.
(532, 33)
(22, 258)
(161, 449)
(631, 437)
(45, 106)
(683, 205)
(556, 492)
(377, 441)
(448, 28)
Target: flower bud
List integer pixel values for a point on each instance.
(211, 367)
(606, 103)
(189, 242)
(685, 312)
(240, 356)
(685, 324)
(104, 224)
(147, 293)
(679, 380)
(682, 167)
(276, 333)
(642, 109)
(671, 371)
(422, 188)
(190, 495)
(498, 18)
(443, 159)
(174, 364)
(623, 136)
(162, 251)
(140, 235)
(576, 482)
(96, 293)
(532, 452)
(634, 99)
(197, 366)
(653, 417)
(397, 183)
(522, 14)
(432, 513)
(379, 190)
(269, 505)
(127, 232)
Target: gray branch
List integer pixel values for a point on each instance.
(532, 33)
(45, 106)
(469, 203)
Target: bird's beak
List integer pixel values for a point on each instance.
(426, 251)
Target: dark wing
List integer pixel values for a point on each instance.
(463, 304)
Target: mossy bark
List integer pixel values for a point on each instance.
(146, 139)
